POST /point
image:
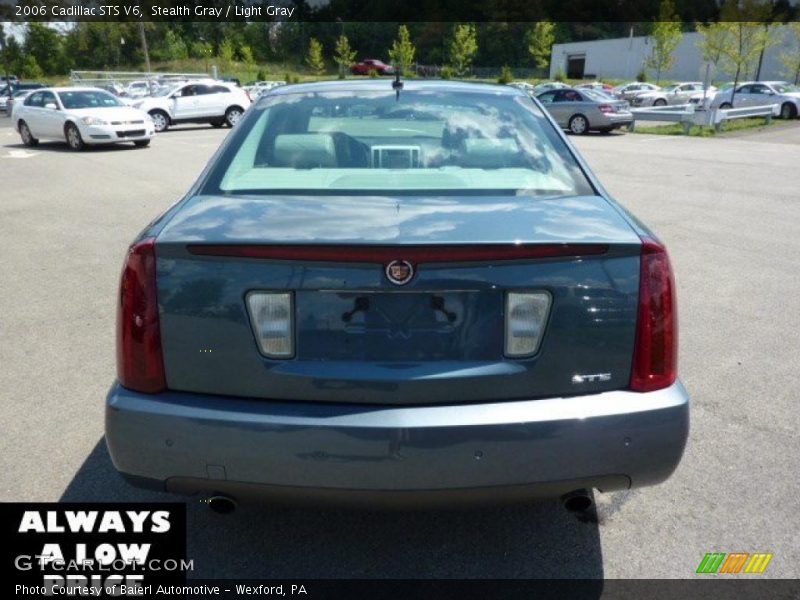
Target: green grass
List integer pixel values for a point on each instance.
(697, 131)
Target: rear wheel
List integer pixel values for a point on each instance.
(73, 136)
(725, 106)
(160, 120)
(141, 143)
(26, 135)
(233, 115)
(578, 125)
(217, 124)
(660, 102)
(788, 111)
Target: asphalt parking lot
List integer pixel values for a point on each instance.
(728, 209)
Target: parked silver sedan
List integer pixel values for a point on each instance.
(679, 93)
(630, 90)
(581, 111)
(761, 93)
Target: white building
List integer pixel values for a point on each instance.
(624, 58)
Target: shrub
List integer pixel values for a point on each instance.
(447, 72)
(506, 75)
(373, 73)
(641, 76)
(560, 76)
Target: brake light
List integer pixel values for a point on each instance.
(140, 362)
(606, 108)
(655, 355)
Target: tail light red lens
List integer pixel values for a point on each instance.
(655, 357)
(140, 363)
(606, 108)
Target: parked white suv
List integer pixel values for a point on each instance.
(196, 102)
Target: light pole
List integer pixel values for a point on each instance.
(144, 46)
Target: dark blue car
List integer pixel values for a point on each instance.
(380, 293)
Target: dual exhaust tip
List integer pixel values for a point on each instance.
(578, 501)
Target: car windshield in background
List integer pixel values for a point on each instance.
(423, 140)
(87, 99)
(597, 95)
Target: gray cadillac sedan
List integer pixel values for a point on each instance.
(584, 110)
(396, 292)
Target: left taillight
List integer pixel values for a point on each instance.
(606, 108)
(655, 356)
(140, 361)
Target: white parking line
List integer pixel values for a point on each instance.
(20, 154)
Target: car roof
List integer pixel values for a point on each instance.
(385, 84)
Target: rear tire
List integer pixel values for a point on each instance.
(26, 135)
(141, 143)
(660, 102)
(73, 137)
(160, 120)
(217, 124)
(578, 124)
(233, 115)
(788, 110)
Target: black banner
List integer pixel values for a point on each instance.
(92, 549)
(574, 11)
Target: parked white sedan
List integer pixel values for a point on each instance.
(81, 116)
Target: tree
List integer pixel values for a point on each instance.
(30, 69)
(246, 54)
(225, 51)
(712, 40)
(314, 58)
(463, 47)
(46, 45)
(540, 42)
(344, 56)
(402, 51)
(791, 58)
(666, 36)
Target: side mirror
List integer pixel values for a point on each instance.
(51, 106)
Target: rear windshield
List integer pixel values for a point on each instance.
(423, 140)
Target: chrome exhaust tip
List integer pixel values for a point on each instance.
(222, 505)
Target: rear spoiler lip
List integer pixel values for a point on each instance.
(415, 254)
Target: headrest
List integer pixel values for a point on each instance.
(492, 153)
(304, 150)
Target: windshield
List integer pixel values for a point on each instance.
(785, 88)
(598, 95)
(87, 99)
(165, 91)
(375, 141)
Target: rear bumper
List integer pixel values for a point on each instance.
(331, 452)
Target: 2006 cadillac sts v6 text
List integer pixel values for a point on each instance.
(390, 291)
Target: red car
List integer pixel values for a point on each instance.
(372, 64)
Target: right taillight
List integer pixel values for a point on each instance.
(140, 363)
(655, 355)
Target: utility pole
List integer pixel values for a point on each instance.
(5, 60)
(144, 46)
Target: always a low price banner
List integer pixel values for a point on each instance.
(98, 549)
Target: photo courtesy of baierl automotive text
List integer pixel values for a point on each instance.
(332, 299)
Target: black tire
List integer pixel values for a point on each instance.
(141, 143)
(233, 115)
(788, 110)
(606, 130)
(578, 124)
(725, 106)
(26, 135)
(217, 124)
(660, 102)
(73, 137)
(160, 120)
